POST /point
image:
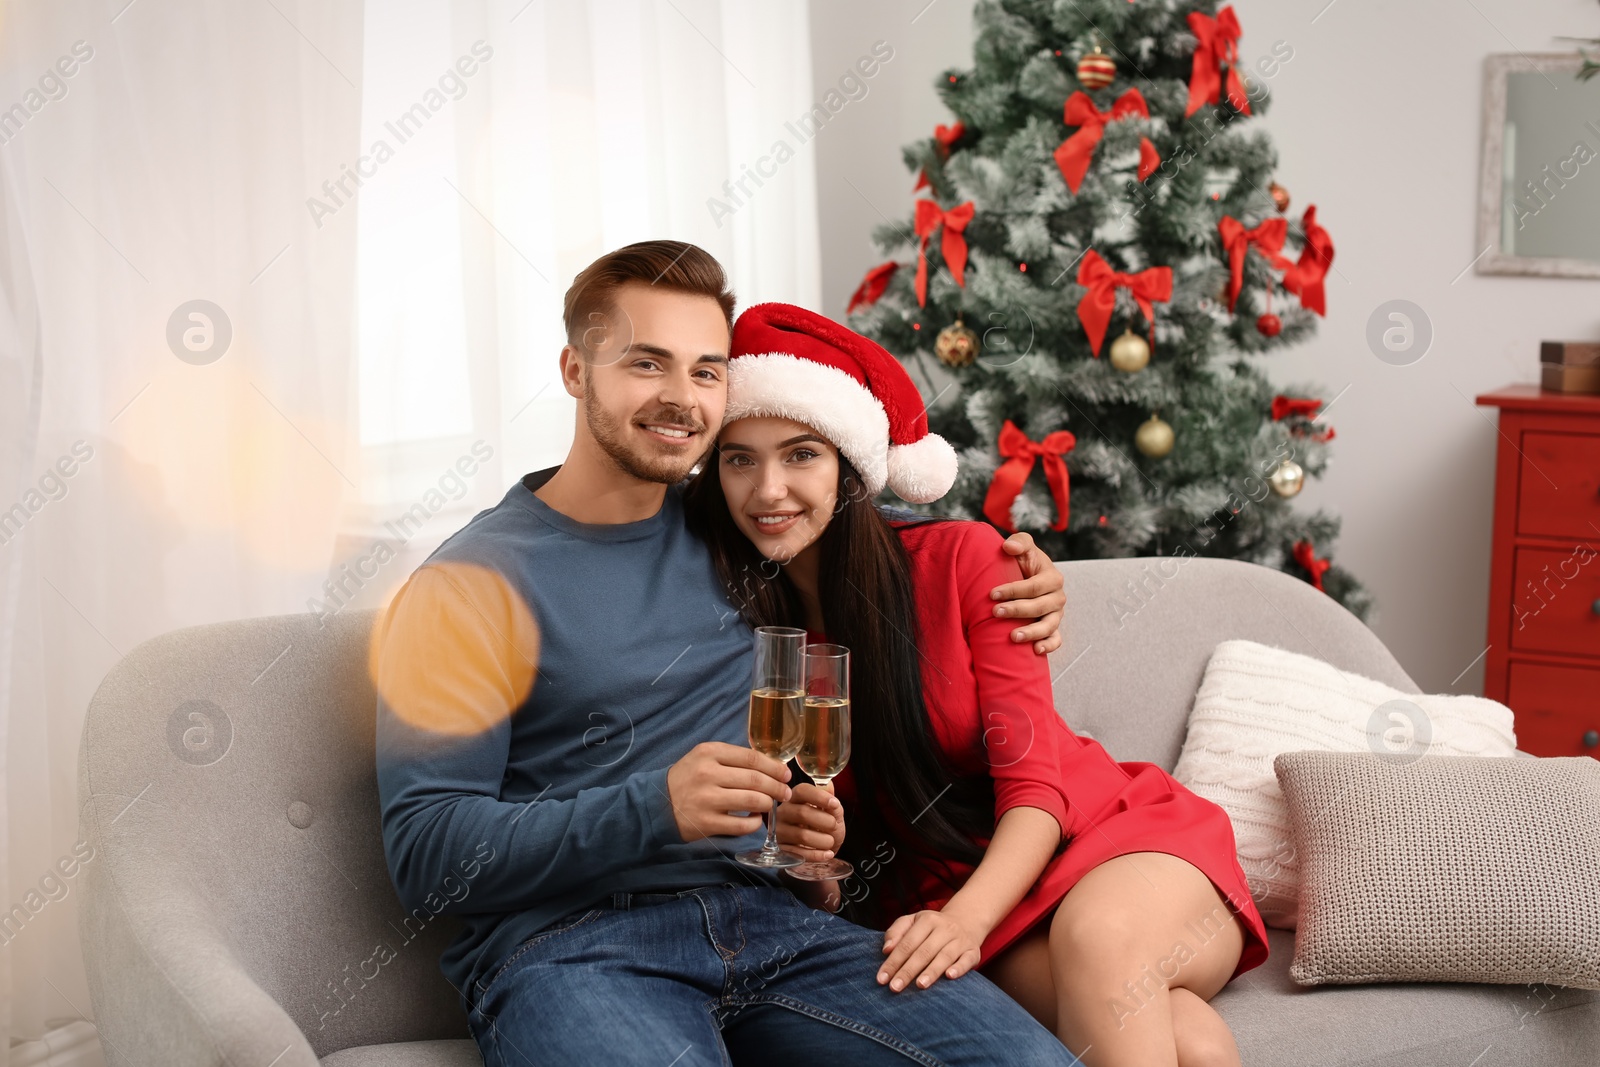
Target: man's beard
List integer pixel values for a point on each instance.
(608, 433)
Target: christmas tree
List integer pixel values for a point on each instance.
(1095, 245)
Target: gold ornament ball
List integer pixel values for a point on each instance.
(1288, 479)
(1130, 353)
(1154, 437)
(1280, 196)
(1096, 70)
(956, 345)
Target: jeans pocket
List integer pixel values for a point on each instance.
(539, 937)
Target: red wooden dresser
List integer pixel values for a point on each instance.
(1544, 586)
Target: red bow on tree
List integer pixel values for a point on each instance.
(1073, 154)
(1283, 406)
(1216, 43)
(1306, 556)
(1305, 278)
(952, 242)
(1236, 241)
(945, 136)
(872, 286)
(1020, 453)
(1094, 309)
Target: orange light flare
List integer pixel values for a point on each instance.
(456, 651)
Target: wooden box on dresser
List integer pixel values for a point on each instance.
(1544, 586)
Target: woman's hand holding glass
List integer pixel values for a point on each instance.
(811, 822)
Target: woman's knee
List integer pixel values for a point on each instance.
(1089, 929)
(1153, 913)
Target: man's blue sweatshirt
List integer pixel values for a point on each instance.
(527, 818)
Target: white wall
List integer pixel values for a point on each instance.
(1376, 120)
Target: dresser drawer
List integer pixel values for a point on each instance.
(1555, 604)
(1560, 484)
(1557, 709)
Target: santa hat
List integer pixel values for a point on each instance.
(790, 363)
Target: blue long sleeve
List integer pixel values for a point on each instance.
(537, 678)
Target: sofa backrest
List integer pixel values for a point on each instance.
(1139, 632)
(229, 767)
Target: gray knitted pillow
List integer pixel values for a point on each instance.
(1445, 868)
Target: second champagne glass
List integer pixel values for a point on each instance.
(825, 737)
(776, 694)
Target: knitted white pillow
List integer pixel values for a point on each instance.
(1256, 701)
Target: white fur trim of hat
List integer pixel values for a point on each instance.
(846, 387)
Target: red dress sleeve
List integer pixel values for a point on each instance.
(1019, 728)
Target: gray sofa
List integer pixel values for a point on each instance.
(238, 888)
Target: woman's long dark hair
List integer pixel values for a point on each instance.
(868, 605)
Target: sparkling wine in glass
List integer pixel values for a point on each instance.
(777, 694)
(825, 737)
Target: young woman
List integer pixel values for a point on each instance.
(1105, 897)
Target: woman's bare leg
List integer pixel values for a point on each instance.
(1124, 968)
(1022, 971)
(1201, 1036)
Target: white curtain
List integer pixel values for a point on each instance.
(229, 368)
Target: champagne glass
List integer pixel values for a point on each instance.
(776, 695)
(825, 737)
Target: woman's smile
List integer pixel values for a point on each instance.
(771, 524)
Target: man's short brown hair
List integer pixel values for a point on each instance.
(675, 265)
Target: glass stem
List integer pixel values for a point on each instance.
(771, 847)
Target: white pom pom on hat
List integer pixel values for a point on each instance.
(791, 363)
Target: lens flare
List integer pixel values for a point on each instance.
(456, 651)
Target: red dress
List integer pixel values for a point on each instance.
(1105, 808)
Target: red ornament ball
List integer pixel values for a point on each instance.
(916, 325)
(1269, 325)
(952, 79)
(1096, 70)
(1023, 267)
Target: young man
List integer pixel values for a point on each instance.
(583, 827)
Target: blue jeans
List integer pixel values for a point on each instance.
(734, 974)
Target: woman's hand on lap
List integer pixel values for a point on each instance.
(925, 946)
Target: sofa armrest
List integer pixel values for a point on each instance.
(166, 986)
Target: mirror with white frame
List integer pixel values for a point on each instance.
(1539, 188)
